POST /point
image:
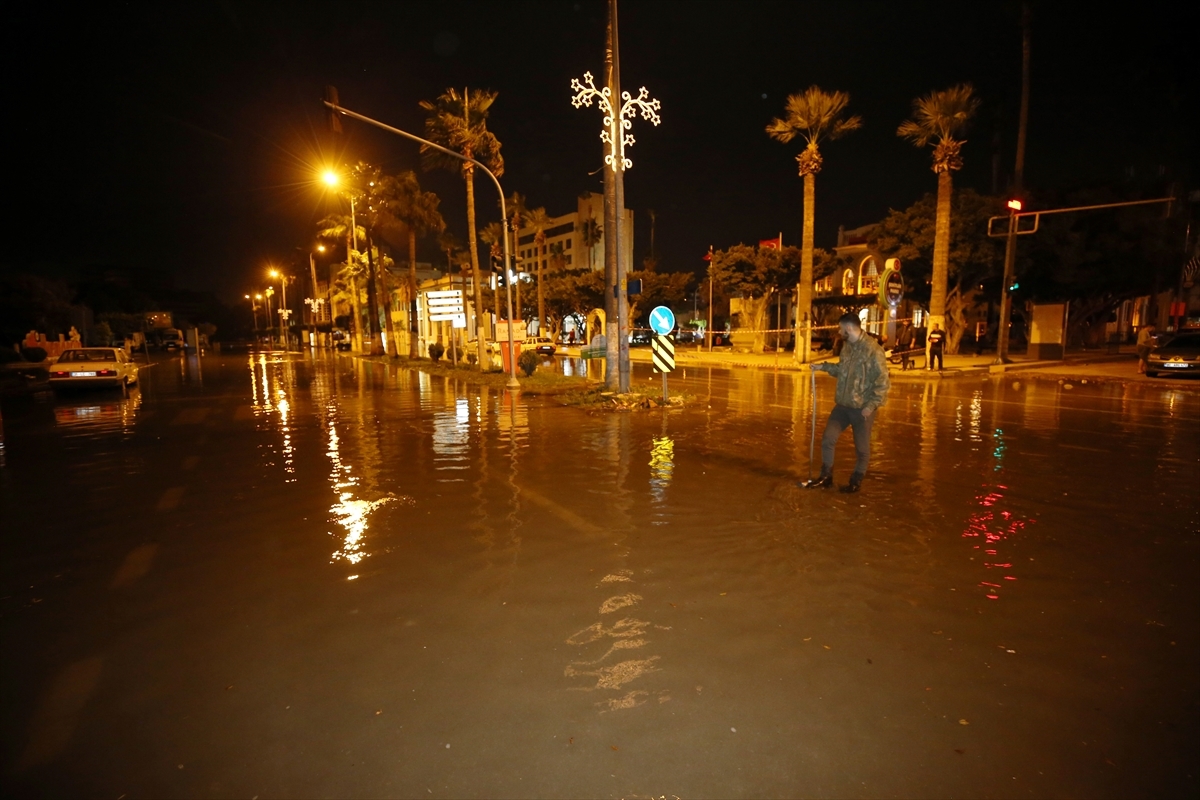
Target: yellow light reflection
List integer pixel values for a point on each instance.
(349, 512)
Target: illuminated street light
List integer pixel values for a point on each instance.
(330, 177)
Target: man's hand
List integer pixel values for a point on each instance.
(867, 412)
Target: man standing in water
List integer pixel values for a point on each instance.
(862, 387)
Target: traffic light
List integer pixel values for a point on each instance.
(1015, 285)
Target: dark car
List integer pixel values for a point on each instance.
(1179, 356)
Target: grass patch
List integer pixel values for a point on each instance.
(542, 382)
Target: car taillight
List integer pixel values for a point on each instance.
(105, 373)
(61, 374)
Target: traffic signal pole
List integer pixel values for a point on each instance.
(513, 384)
(1010, 259)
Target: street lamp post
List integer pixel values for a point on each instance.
(270, 327)
(513, 384)
(285, 312)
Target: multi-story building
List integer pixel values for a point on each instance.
(568, 231)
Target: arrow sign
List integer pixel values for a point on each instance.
(662, 320)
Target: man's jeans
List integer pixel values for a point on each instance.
(840, 419)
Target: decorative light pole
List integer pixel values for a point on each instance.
(618, 120)
(614, 133)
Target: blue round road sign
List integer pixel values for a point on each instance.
(662, 320)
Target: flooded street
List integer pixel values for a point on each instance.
(280, 576)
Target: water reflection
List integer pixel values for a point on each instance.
(89, 416)
(451, 438)
(990, 528)
(348, 511)
(662, 466)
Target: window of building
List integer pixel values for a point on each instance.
(868, 281)
(848, 282)
(568, 258)
(568, 247)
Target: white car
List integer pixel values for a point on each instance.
(93, 366)
(540, 344)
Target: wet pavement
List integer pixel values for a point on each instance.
(275, 576)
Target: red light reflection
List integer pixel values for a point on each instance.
(993, 527)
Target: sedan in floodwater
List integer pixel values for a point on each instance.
(1180, 356)
(93, 366)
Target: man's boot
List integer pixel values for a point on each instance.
(822, 481)
(854, 486)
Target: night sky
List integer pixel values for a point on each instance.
(188, 137)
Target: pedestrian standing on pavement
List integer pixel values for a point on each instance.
(937, 342)
(1145, 343)
(904, 341)
(862, 387)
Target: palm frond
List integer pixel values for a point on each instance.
(940, 115)
(815, 115)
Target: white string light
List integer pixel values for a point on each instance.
(616, 139)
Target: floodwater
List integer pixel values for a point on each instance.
(282, 576)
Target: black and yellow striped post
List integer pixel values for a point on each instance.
(662, 350)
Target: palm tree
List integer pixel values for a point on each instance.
(418, 211)
(540, 221)
(367, 185)
(816, 116)
(336, 227)
(939, 117)
(459, 122)
(591, 234)
(492, 234)
(518, 214)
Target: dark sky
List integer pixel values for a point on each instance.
(187, 137)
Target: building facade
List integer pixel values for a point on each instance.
(568, 232)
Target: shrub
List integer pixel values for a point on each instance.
(472, 358)
(35, 355)
(436, 350)
(528, 362)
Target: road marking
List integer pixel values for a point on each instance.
(170, 498)
(243, 413)
(135, 565)
(189, 462)
(57, 716)
(190, 416)
(565, 514)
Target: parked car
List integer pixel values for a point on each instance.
(540, 344)
(92, 367)
(341, 339)
(1179, 356)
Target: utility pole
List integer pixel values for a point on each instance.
(617, 352)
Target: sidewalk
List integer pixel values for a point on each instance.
(1092, 364)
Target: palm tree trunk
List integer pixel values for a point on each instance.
(356, 303)
(517, 311)
(941, 251)
(541, 277)
(394, 351)
(413, 350)
(804, 290)
(372, 302)
(356, 323)
(473, 244)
